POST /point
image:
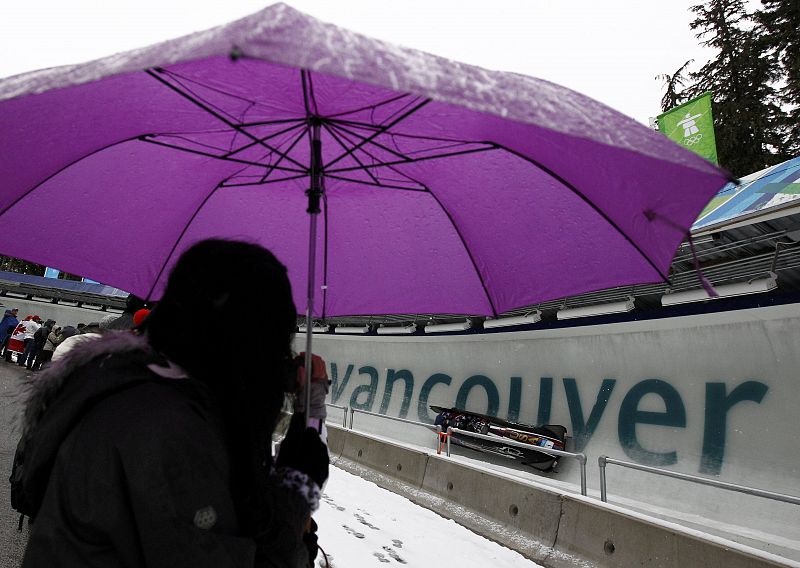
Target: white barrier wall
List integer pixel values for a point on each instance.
(61, 313)
(716, 395)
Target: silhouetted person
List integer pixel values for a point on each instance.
(141, 450)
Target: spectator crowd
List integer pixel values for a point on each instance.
(36, 343)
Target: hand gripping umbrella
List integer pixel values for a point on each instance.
(437, 187)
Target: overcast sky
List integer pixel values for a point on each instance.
(609, 49)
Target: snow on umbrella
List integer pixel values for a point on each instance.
(443, 188)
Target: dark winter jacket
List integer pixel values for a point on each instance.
(131, 470)
(40, 337)
(7, 325)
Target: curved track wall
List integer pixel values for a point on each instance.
(715, 395)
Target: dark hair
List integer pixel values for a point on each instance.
(217, 281)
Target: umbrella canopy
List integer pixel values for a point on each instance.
(447, 188)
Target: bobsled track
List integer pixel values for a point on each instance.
(711, 398)
(552, 526)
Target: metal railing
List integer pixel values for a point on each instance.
(395, 418)
(344, 412)
(602, 461)
(550, 451)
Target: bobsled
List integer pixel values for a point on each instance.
(501, 431)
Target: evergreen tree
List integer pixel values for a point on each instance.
(11, 264)
(675, 86)
(779, 32)
(748, 119)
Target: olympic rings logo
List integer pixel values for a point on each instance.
(691, 141)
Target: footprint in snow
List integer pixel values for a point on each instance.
(365, 522)
(396, 557)
(380, 557)
(355, 533)
(332, 503)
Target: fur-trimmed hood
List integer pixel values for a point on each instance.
(60, 397)
(46, 387)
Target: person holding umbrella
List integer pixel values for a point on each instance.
(139, 450)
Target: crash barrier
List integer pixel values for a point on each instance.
(580, 457)
(396, 461)
(335, 441)
(552, 528)
(603, 461)
(353, 412)
(344, 412)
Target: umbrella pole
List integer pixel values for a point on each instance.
(314, 194)
(312, 239)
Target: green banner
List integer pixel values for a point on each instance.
(692, 126)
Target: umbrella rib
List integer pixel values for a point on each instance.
(304, 82)
(265, 182)
(311, 93)
(401, 109)
(289, 149)
(586, 200)
(368, 126)
(343, 133)
(216, 89)
(154, 73)
(468, 251)
(270, 122)
(61, 169)
(180, 80)
(147, 138)
(452, 143)
(378, 144)
(298, 124)
(365, 125)
(381, 185)
(344, 147)
(372, 107)
(422, 159)
(180, 236)
(381, 130)
(187, 139)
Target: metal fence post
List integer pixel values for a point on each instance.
(449, 434)
(582, 461)
(352, 411)
(601, 461)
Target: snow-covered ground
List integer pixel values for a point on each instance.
(363, 525)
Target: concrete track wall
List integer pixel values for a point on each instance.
(554, 529)
(715, 395)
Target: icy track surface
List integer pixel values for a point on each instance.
(362, 525)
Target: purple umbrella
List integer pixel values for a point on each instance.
(442, 187)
